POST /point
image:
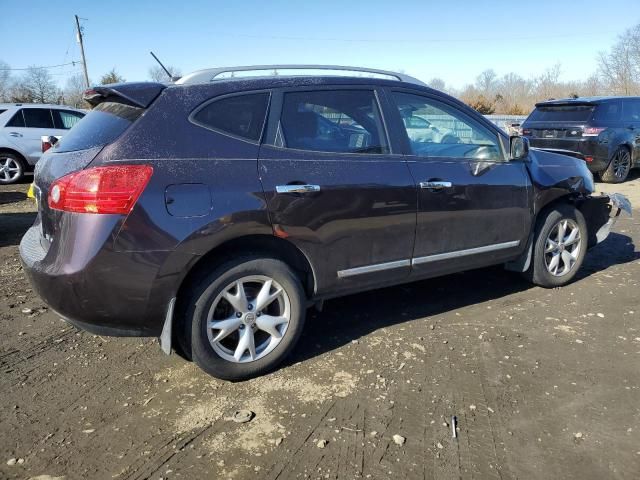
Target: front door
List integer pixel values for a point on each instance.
(336, 190)
(473, 205)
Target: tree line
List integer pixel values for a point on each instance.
(36, 85)
(617, 73)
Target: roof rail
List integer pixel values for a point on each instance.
(210, 74)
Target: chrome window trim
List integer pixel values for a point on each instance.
(350, 272)
(463, 253)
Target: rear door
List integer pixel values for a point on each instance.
(473, 204)
(631, 120)
(336, 188)
(27, 127)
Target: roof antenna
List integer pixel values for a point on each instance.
(171, 77)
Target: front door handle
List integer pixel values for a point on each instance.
(435, 185)
(297, 188)
(15, 134)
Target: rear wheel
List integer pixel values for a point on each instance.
(245, 317)
(618, 168)
(559, 247)
(11, 168)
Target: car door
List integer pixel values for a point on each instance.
(336, 189)
(473, 204)
(26, 129)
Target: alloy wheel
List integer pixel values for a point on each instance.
(562, 247)
(9, 169)
(621, 163)
(248, 319)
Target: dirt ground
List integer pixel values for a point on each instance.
(544, 383)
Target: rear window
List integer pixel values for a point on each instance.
(106, 122)
(241, 115)
(562, 113)
(65, 119)
(17, 120)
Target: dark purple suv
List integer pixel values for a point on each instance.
(212, 213)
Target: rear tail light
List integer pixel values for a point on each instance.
(46, 145)
(112, 189)
(588, 159)
(526, 132)
(592, 131)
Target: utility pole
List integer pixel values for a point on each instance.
(84, 60)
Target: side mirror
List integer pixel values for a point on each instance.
(519, 148)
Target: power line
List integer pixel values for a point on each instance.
(43, 66)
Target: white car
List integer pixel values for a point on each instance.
(22, 127)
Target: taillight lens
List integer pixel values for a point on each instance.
(45, 146)
(526, 132)
(112, 189)
(592, 131)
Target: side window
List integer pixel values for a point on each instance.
(439, 130)
(608, 112)
(342, 121)
(241, 115)
(38, 118)
(631, 110)
(65, 119)
(17, 120)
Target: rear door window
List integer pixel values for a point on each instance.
(631, 109)
(65, 119)
(562, 113)
(17, 121)
(608, 112)
(343, 121)
(240, 116)
(102, 125)
(38, 118)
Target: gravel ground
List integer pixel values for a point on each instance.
(543, 383)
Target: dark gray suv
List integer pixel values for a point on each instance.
(212, 213)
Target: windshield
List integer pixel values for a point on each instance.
(562, 113)
(106, 122)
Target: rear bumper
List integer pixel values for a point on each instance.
(584, 148)
(95, 288)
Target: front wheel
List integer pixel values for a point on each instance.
(246, 317)
(559, 247)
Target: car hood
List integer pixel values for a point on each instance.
(559, 172)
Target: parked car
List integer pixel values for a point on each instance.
(212, 213)
(603, 131)
(22, 127)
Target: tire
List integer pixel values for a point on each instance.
(618, 168)
(544, 271)
(12, 168)
(216, 301)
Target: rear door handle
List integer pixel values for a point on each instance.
(435, 185)
(15, 134)
(297, 188)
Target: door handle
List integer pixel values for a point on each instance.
(15, 134)
(435, 185)
(297, 188)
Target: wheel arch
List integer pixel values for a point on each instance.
(253, 244)
(13, 151)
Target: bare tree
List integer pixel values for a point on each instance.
(5, 81)
(487, 83)
(437, 84)
(157, 74)
(620, 67)
(73, 90)
(35, 86)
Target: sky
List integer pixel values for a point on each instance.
(452, 40)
